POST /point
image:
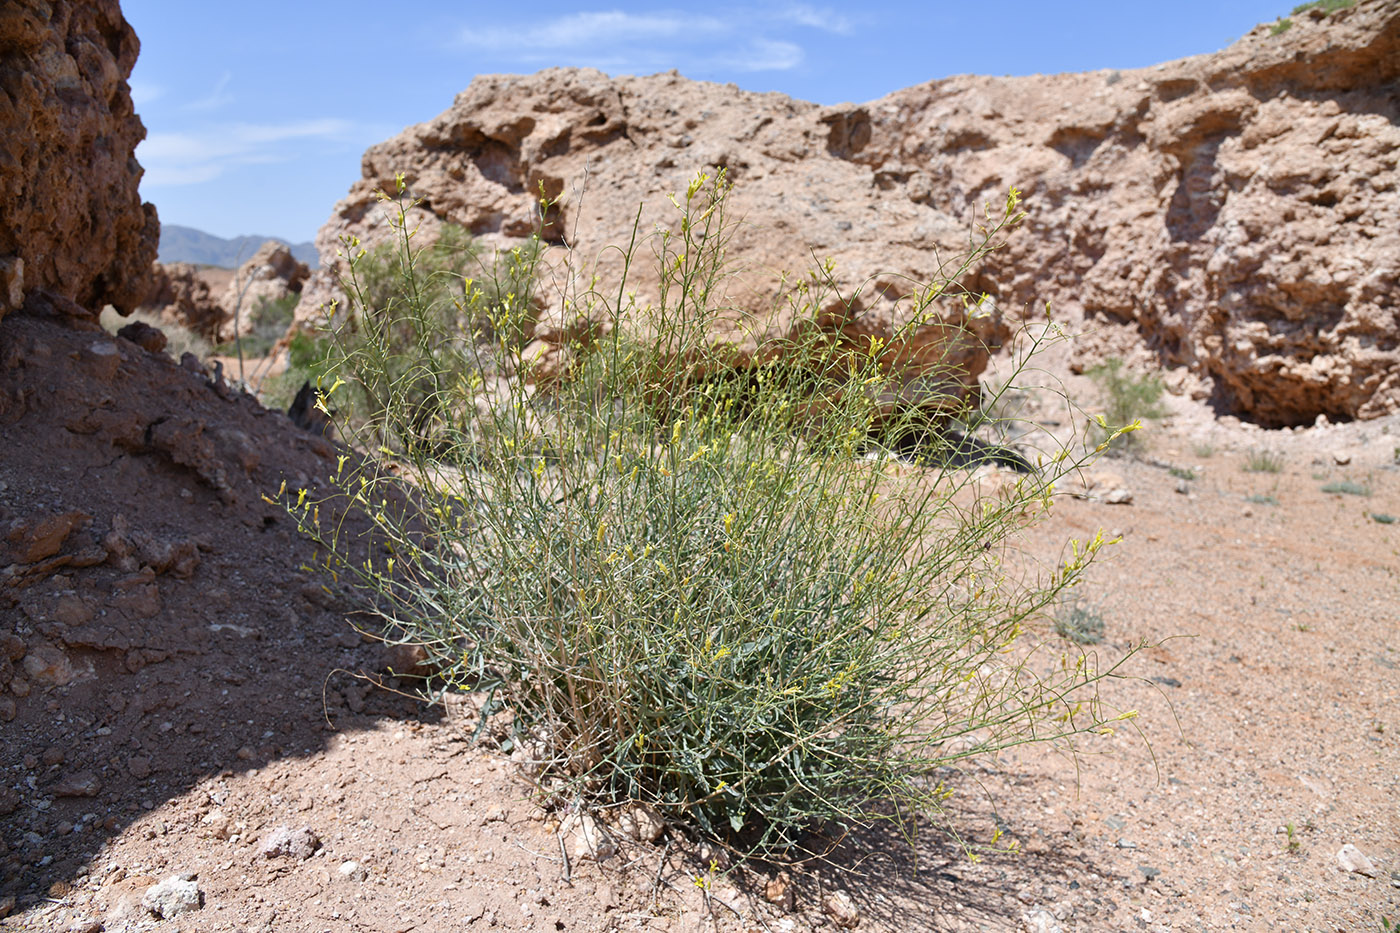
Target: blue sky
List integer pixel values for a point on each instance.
(257, 112)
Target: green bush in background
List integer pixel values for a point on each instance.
(1127, 398)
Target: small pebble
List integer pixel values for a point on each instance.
(352, 871)
(841, 909)
(78, 784)
(173, 896)
(1353, 859)
(286, 842)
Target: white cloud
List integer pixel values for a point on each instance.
(619, 41)
(824, 18)
(216, 98)
(192, 157)
(763, 55)
(591, 30)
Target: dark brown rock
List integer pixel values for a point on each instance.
(148, 338)
(35, 537)
(74, 224)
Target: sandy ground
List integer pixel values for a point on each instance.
(230, 710)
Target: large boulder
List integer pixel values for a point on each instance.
(1230, 215)
(604, 146)
(73, 228)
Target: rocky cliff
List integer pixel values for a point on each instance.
(73, 231)
(1231, 216)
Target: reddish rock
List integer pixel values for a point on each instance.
(151, 339)
(78, 784)
(183, 293)
(74, 225)
(35, 537)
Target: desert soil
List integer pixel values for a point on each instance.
(167, 720)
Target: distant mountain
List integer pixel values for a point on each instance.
(186, 244)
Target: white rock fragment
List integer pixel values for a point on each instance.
(1353, 859)
(286, 842)
(352, 871)
(585, 837)
(1039, 920)
(172, 897)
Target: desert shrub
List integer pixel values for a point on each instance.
(1326, 6)
(1281, 26)
(1383, 518)
(1078, 623)
(415, 322)
(1346, 487)
(1127, 398)
(1262, 460)
(1261, 498)
(267, 323)
(1186, 473)
(686, 575)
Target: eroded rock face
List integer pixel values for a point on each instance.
(204, 299)
(73, 223)
(1231, 215)
(182, 293)
(603, 146)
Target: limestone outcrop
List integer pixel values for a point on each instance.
(73, 230)
(1229, 216)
